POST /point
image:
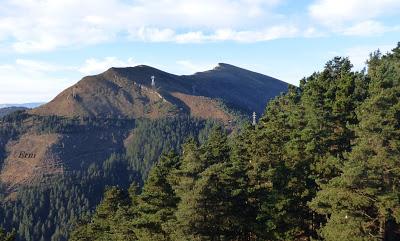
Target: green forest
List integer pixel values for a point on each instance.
(322, 163)
(50, 210)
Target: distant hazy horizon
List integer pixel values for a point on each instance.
(27, 105)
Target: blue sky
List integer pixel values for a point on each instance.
(47, 45)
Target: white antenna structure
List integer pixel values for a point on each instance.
(254, 118)
(153, 81)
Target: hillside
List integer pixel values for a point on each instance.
(243, 89)
(8, 110)
(321, 164)
(109, 129)
(127, 92)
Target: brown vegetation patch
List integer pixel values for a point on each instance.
(29, 159)
(203, 107)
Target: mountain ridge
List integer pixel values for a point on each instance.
(118, 91)
(79, 122)
(110, 129)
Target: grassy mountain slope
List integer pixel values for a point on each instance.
(109, 129)
(128, 92)
(124, 94)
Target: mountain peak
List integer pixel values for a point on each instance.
(225, 65)
(138, 68)
(131, 92)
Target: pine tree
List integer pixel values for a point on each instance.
(122, 228)
(4, 236)
(193, 218)
(216, 149)
(211, 206)
(157, 202)
(213, 190)
(183, 180)
(363, 202)
(190, 167)
(105, 222)
(280, 173)
(330, 99)
(239, 185)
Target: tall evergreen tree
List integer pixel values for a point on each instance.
(183, 180)
(239, 186)
(216, 149)
(105, 222)
(190, 167)
(4, 236)
(197, 211)
(157, 202)
(330, 99)
(282, 183)
(213, 190)
(363, 202)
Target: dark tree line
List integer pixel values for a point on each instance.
(323, 163)
(50, 209)
(150, 138)
(4, 236)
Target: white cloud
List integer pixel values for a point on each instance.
(96, 66)
(355, 17)
(368, 28)
(33, 25)
(313, 32)
(40, 66)
(44, 25)
(274, 32)
(193, 37)
(153, 34)
(29, 81)
(337, 12)
(248, 36)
